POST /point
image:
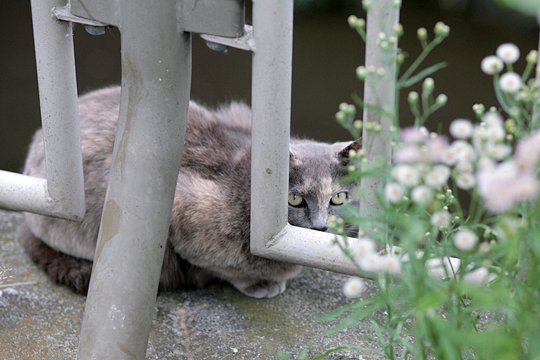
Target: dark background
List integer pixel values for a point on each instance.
(326, 54)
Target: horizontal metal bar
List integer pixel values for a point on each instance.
(102, 11)
(244, 42)
(64, 13)
(24, 193)
(213, 17)
(310, 248)
(27, 193)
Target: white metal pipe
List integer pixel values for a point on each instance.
(271, 103)
(312, 248)
(55, 62)
(379, 91)
(62, 193)
(23, 193)
(156, 73)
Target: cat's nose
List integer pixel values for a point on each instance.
(320, 228)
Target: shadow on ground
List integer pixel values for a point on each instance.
(40, 320)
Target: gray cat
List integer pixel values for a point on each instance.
(209, 231)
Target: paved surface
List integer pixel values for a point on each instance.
(40, 320)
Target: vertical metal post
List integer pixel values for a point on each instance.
(63, 192)
(156, 74)
(379, 91)
(271, 103)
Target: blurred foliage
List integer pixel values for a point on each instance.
(528, 7)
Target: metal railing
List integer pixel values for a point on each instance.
(156, 74)
(62, 193)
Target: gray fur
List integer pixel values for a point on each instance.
(209, 231)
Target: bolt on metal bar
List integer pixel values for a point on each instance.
(156, 75)
(62, 193)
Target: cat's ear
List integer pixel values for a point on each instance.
(292, 157)
(343, 154)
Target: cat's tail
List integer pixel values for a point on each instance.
(61, 268)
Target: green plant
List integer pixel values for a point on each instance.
(459, 275)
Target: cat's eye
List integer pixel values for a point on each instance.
(339, 198)
(296, 200)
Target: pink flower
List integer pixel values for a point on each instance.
(504, 185)
(412, 135)
(528, 151)
(436, 148)
(408, 154)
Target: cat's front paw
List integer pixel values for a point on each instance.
(264, 289)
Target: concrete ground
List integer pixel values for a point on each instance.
(40, 320)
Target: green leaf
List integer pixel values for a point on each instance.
(431, 300)
(355, 317)
(405, 83)
(527, 7)
(336, 313)
(328, 352)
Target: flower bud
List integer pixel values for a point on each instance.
(532, 56)
(361, 73)
(427, 86)
(398, 30)
(479, 109)
(422, 34)
(413, 97)
(441, 30)
(366, 4)
(441, 100)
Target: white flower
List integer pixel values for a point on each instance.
(390, 264)
(463, 151)
(440, 219)
(354, 287)
(498, 151)
(510, 82)
(492, 118)
(393, 192)
(371, 262)
(464, 167)
(508, 53)
(465, 180)
(443, 267)
(408, 154)
(465, 239)
(436, 148)
(449, 156)
(421, 195)
(363, 247)
(480, 276)
(406, 175)
(438, 176)
(461, 129)
(412, 135)
(491, 65)
(485, 163)
(494, 133)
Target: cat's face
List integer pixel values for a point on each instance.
(315, 192)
